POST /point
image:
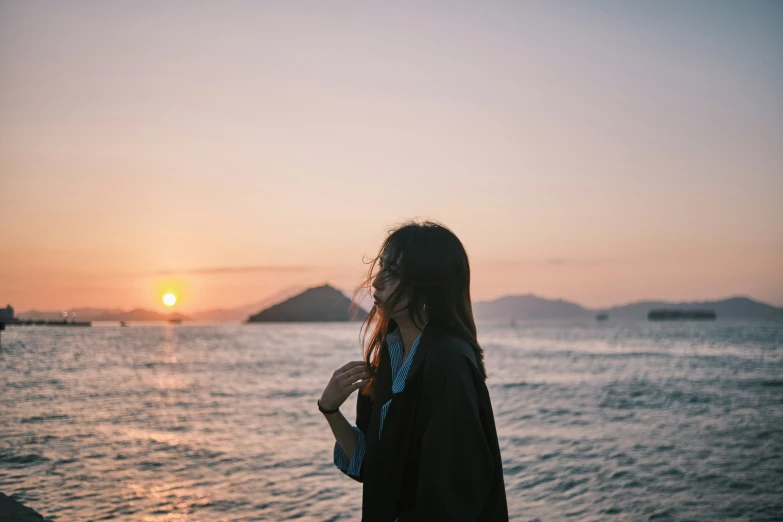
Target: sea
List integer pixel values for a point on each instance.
(597, 421)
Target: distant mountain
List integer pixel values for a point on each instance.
(532, 307)
(241, 313)
(139, 314)
(321, 303)
(528, 307)
(731, 308)
(101, 314)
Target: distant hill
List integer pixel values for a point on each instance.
(101, 314)
(532, 307)
(241, 313)
(528, 307)
(321, 303)
(731, 308)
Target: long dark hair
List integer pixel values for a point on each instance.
(433, 270)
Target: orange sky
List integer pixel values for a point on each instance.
(597, 152)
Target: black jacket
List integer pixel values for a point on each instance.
(438, 458)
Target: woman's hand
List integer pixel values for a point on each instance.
(344, 381)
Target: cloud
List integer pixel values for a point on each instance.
(564, 261)
(551, 261)
(220, 270)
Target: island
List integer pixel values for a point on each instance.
(320, 303)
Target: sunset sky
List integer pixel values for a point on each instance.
(601, 152)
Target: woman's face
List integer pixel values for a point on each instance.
(384, 286)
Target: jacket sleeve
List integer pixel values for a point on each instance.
(353, 466)
(455, 466)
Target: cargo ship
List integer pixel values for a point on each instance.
(676, 314)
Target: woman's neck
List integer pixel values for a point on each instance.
(408, 331)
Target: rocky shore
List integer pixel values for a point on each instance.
(13, 511)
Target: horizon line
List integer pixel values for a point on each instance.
(528, 294)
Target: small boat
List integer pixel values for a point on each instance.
(602, 317)
(123, 323)
(175, 320)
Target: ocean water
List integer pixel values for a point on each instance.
(597, 421)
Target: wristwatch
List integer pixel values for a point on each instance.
(327, 411)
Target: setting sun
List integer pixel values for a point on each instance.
(169, 299)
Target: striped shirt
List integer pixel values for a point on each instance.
(352, 466)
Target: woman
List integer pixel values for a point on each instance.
(424, 444)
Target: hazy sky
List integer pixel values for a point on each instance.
(597, 151)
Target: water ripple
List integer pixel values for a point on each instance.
(632, 421)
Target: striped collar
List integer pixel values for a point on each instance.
(399, 367)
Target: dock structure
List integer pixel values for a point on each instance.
(7, 318)
(7, 314)
(30, 322)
